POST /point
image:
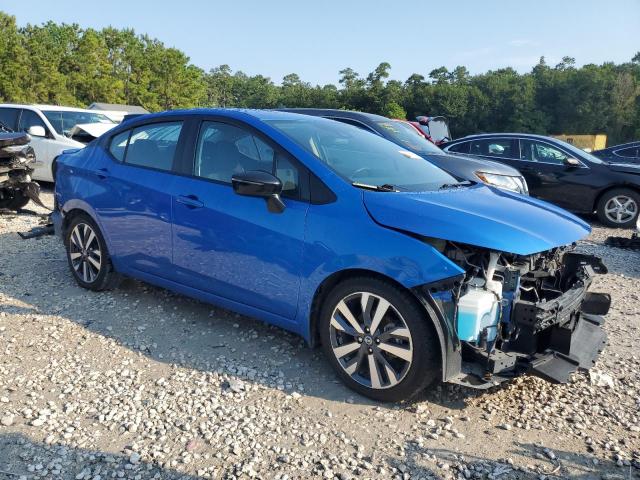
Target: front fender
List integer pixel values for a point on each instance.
(353, 241)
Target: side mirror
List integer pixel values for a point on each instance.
(256, 183)
(422, 120)
(571, 162)
(37, 131)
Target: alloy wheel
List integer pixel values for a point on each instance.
(85, 253)
(371, 340)
(620, 209)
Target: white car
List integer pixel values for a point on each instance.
(54, 129)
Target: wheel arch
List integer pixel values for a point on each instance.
(75, 207)
(337, 277)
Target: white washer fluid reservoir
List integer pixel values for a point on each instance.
(478, 309)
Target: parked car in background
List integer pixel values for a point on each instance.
(53, 129)
(624, 153)
(563, 174)
(403, 134)
(435, 129)
(403, 274)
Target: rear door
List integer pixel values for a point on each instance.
(231, 245)
(135, 201)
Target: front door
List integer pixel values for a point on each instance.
(231, 245)
(551, 178)
(43, 147)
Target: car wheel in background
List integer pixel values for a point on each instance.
(15, 201)
(619, 208)
(377, 338)
(88, 256)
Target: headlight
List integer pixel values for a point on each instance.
(514, 184)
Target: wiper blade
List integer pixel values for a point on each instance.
(378, 188)
(466, 183)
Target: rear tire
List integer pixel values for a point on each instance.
(619, 208)
(377, 338)
(88, 256)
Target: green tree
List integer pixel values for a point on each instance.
(14, 66)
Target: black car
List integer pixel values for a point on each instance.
(624, 153)
(560, 173)
(404, 134)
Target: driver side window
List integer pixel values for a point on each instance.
(224, 150)
(29, 119)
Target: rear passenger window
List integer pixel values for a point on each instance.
(459, 148)
(118, 145)
(152, 146)
(494, 147)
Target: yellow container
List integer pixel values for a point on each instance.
(588, 143)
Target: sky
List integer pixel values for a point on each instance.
(316, 39)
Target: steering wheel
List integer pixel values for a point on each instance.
(360, 171)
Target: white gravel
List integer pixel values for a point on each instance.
(142, 383)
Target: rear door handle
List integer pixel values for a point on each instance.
(102, 173)
(190, 201)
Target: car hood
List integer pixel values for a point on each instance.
(481, 216)
(469, 165)
(625, 167)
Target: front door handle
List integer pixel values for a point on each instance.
(190, 201)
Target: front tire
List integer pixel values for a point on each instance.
(619, 208)
(87, 255)
(377, 339)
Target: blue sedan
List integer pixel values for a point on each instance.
(402, 273)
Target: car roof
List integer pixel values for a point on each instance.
(56, 108)
(226, 112)
(503, 135)
(334, 112)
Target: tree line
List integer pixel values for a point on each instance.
(68, 65)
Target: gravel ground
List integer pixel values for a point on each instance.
(142, 383)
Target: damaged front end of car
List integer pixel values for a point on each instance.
(511, 314)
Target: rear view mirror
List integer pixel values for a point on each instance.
(571, 162)
(256, 183)
(37, 131)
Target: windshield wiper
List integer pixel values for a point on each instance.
(466, 183)
(378, 188)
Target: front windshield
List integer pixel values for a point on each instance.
(64, 121)
(406, 135)
(581, 154)
(361, 157)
